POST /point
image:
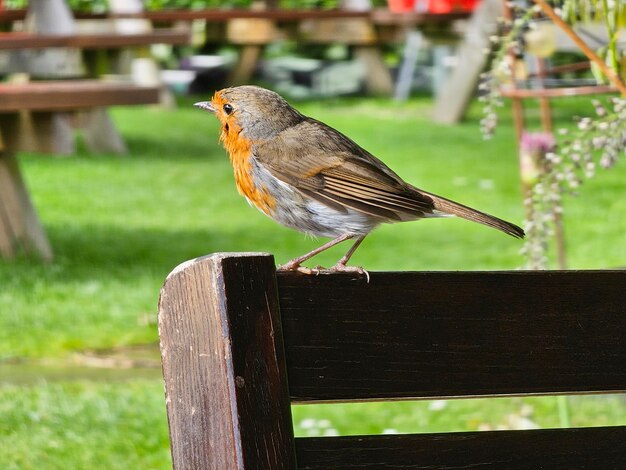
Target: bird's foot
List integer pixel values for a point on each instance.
(342, 268)
(296, 267)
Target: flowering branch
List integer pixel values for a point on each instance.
(551, 168)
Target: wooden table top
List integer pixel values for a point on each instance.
(18, 40)
(377, 15)
(59, 95)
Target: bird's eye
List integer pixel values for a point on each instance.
(227, 108)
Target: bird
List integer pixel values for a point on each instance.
(310, 177)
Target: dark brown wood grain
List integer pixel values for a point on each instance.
(442, 334)
(400, 335)
(223, 364)
(73, 94)
(589, 448)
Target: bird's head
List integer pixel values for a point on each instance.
(255, 112)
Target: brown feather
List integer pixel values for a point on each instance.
(332, 169)
(372, 210)
(335, 168)
(454, 208)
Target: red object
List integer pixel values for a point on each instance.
(401, 6)
(431, 6)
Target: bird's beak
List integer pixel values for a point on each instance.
(206, 105)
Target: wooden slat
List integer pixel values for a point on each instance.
(10, 15)
(73, 94)
(8, 239)
(438, 334)
(381, 16)
(460, 85)
(13, 40)
(549, 448)
(557, 92)
(223, 364)
(280, 14)
(19, 224)
(377, 16)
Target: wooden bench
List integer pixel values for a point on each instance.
(240, 343)
(56, 106)
(36, 116)
(65, 95)
(49, 97)
(365, 31)
(251, 30)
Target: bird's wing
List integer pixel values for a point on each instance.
(332, 169)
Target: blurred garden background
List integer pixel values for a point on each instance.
(80, 378)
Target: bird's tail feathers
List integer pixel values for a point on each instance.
(450, 207)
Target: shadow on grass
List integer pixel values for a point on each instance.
(105, 247)
(101, 290)
(108, 252)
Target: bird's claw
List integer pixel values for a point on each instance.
(289, 267)
(338, 268)
(342, 268)
(301, 269)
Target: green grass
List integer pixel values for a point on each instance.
(118, 225)
(83, 426)
(457, 415)
(123, 426)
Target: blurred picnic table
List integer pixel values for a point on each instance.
(47, 43)
(42, 115)
(365, 31)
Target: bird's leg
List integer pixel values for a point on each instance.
(294, 264)
(341, 264)
(344, 260)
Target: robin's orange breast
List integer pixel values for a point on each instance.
(240, 152)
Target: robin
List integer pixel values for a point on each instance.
(310, 177)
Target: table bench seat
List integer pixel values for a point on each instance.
(41, 116)
(73, 94)
(16, 41)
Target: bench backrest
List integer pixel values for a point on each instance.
(241, 342)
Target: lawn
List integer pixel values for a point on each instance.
(118, 225)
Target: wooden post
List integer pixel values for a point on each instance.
(99, 132)
(19, 224)
(220, 330)
(252, 35)
(460, 86)
(412, 46)
(138, 62)
(243, 71)
(378, 77)
(51, 17)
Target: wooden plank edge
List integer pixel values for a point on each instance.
(63, 97)
(593, 447)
